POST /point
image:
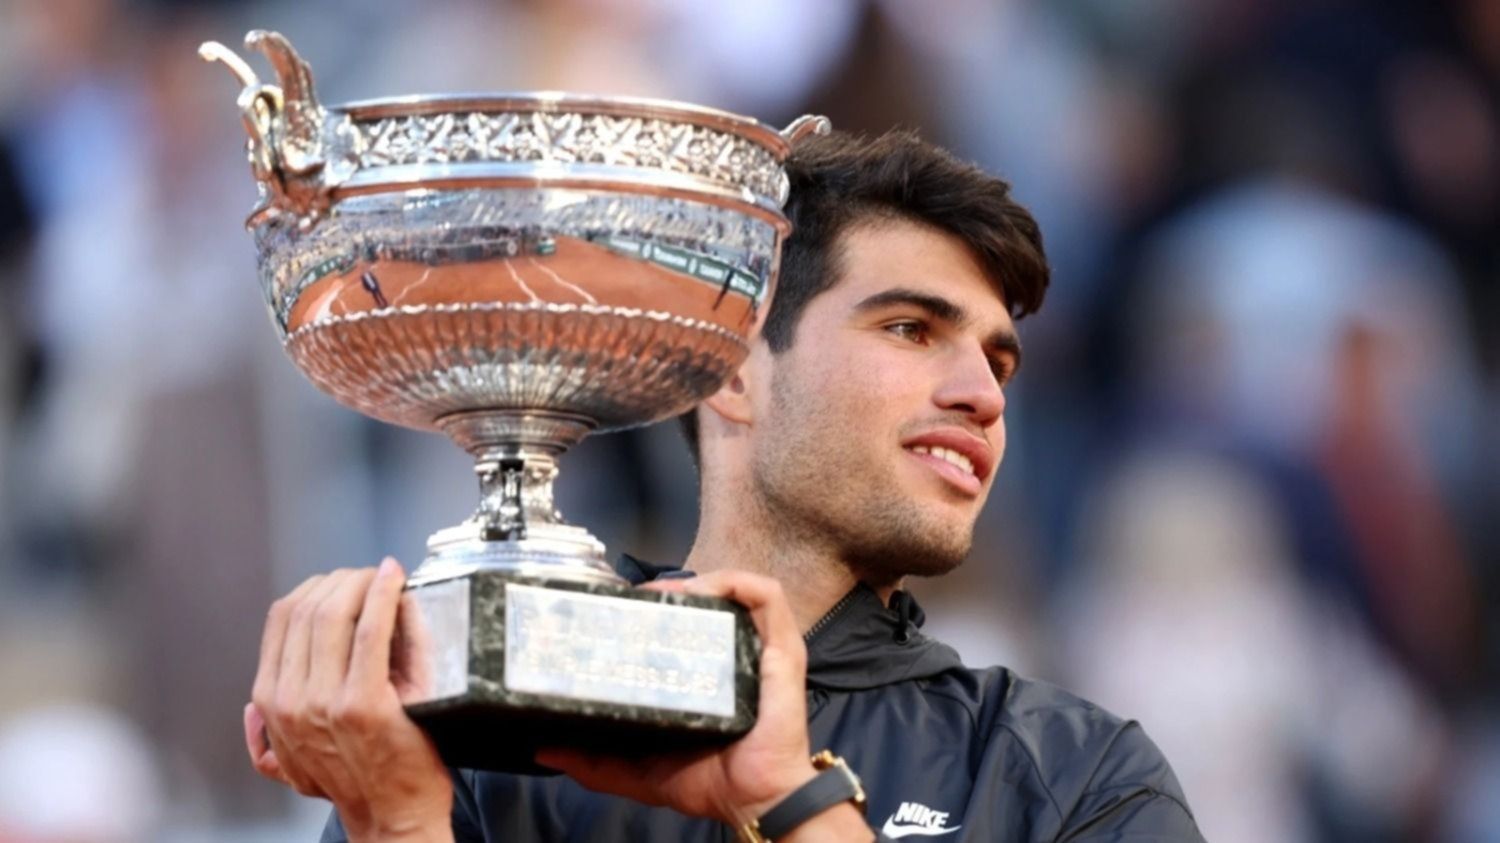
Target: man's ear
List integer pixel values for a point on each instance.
(734, 402)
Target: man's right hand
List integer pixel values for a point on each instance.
(326, 715)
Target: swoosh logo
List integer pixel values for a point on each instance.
(894, 831)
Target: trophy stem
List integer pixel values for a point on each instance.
(515, 488)
(517, 527)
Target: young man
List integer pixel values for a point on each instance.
(854, 448)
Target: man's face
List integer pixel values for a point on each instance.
(882, 426)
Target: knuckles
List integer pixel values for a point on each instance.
(316, 712)
(296, 713)
(283, 710)
(352, 713)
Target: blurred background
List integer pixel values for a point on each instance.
(1250, 498)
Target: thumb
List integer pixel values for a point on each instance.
(258, 744)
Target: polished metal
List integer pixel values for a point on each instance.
(514, 271)
(626, 652)
(432, 647)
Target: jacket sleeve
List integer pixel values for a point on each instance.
(465, 824)
(1132, 796)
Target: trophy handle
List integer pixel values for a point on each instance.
(301, 115)
(213, 51)
(806, 126)
(285, 125)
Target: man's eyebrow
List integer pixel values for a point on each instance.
(936, 306)
(1003, 341)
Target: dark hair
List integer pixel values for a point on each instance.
(840, 180)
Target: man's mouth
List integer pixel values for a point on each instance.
(958, 456)
(951, 466)
(948, 454)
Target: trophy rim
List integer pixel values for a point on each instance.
(412, 105)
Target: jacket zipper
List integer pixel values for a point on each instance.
(831, 615)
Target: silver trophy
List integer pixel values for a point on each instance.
(516, 272)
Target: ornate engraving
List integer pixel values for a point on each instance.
(570, 138)
(629, 652)
(302, 153)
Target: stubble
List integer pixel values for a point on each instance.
(826, 485)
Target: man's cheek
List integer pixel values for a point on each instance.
(864, 404)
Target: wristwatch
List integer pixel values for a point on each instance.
(834, 784)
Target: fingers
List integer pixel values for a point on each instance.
(272, 642)
(783, 660)
(784, 656)
(370, 658)
(291, 712)
(312, 727)
(296, 655)
(258, 744)
(264, 691)
(333, 634)
(263, 757)
(283, 721)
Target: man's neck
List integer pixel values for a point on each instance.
(813, 575)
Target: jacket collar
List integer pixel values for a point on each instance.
(860, 644)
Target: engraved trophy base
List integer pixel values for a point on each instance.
(516, 663)
(521, 636)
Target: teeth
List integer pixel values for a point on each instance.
(947, 454)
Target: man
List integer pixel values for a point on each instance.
(853, 448)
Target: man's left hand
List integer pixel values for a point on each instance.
(741, 781)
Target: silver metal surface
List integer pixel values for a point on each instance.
(514, 271)
(611, 650)
(434, 644)
(304, 153)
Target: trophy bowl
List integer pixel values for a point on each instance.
(517, 271)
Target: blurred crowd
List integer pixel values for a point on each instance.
(1250, 498)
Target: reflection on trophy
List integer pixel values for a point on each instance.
(516, 272)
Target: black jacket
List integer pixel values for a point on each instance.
(944, 751)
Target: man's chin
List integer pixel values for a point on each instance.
(910, 555)
(934, 564)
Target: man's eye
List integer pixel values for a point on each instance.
(910, 331)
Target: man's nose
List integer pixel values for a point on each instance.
(969, 386)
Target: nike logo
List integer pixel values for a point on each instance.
(914, 818)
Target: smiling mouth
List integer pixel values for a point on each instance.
(949, 455)
(953, 468)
